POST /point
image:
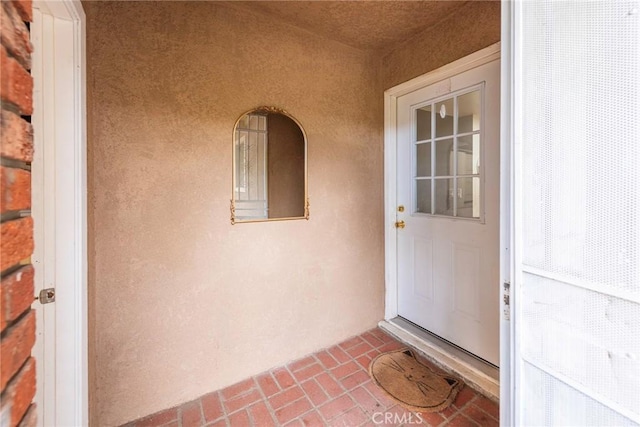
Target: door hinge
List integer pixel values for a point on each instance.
(506, 299)
(47, 296)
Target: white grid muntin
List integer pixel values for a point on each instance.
(455, 136)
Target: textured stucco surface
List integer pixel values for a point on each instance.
(367, 25)
(472, 27)
(182, 302)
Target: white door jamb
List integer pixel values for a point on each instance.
(507, 199)
(60, 204)
(391, 95)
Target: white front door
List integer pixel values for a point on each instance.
(448, 181)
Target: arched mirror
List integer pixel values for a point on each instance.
(269, 167)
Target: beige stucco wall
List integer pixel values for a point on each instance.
(182, 302)
(474, 26)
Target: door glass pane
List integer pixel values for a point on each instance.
(444, 118)
(250, 158)
(253, 122)
(241, 161)
(244, 122)
(252, 161)
(444, 157)
(423, 196)
(423, 159)
(468, 155)
(468, 197)
(469, 112)
(423, 123)
(262, 122)
(444, 197)
(451, 162)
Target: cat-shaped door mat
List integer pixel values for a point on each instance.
(412, 384)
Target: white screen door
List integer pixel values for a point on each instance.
(576, 355)
(448, 163)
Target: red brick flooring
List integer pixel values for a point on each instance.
(329, 388)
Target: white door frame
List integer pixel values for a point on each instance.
(474, 60)
(508, 234)
(60, 209)
(481, 57)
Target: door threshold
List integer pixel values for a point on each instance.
(477, 374)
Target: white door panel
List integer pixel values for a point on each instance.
(466, 280)
(448, 164)
(576, 222)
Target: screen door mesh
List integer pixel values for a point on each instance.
(580, 295)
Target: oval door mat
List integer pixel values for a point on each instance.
(412, 384)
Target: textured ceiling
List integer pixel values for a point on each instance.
(367, 25)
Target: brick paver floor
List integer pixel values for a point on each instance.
(329, 388)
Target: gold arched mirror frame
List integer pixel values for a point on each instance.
(269, 173)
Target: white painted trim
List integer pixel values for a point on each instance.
(507, 395)
(475, 378)
(391, 95)
(64, 106)
(630, 295)
(42, 199)
(515, 133)
(480, 380)
(390, 197)
(474, 60)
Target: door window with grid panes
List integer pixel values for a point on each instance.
(447, 154)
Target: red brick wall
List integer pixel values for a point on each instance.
(17, 319)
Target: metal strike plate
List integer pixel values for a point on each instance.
(506, 299)
(47, 296)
